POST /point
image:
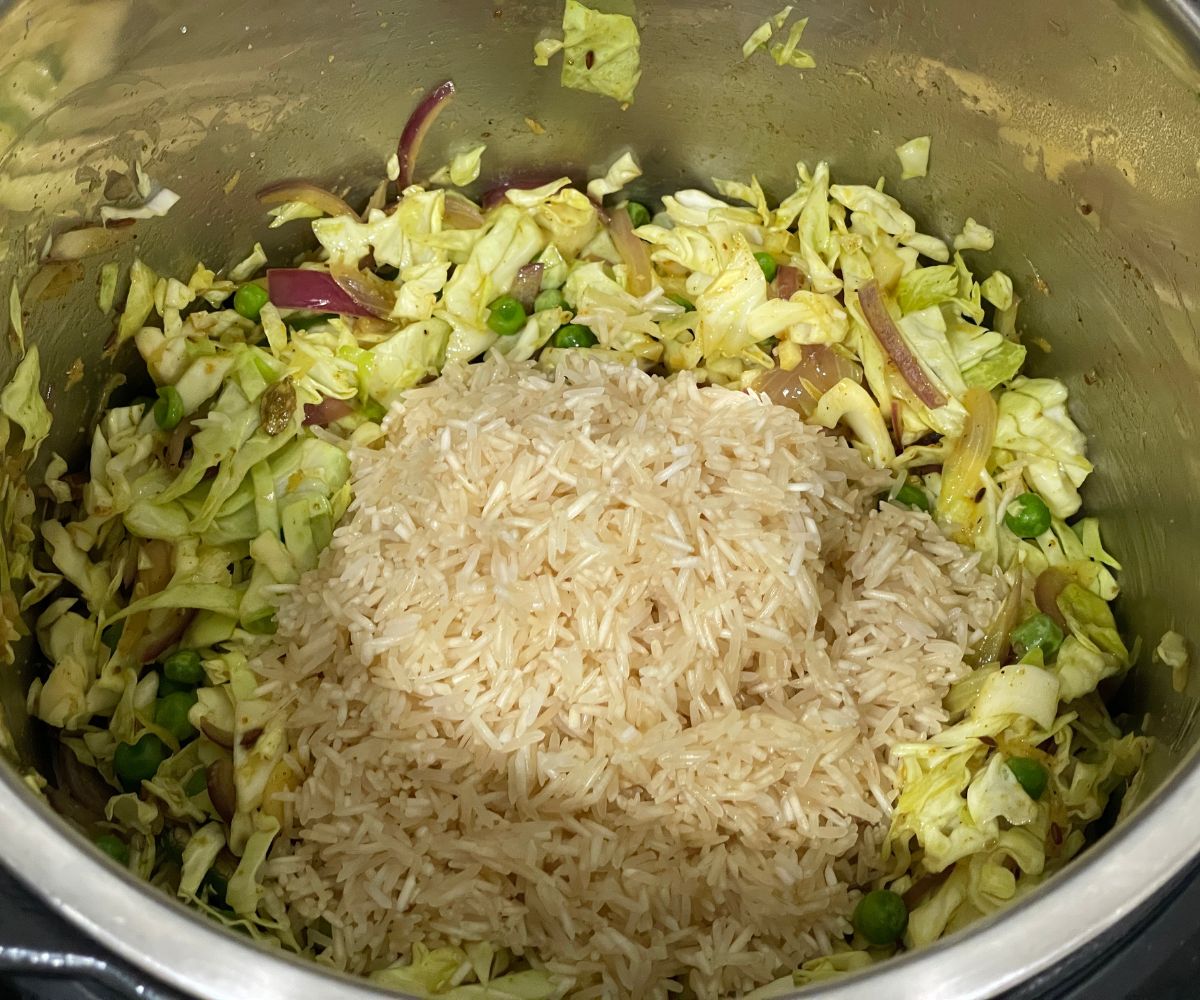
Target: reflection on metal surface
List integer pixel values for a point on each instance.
(1070, 131)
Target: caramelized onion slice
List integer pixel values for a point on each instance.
(819, 370)
(461, 213)
(368, 290)
(994, 644)
(527, 284)
(1048, 586)
(633, 251)
(308, 193)
(890, 339)
(962, 474)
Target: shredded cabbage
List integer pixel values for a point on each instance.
(16, 324)
(463, 168)
(974, 237)
(914, 158)
(543, 50)
(139, 302)
(601, 52)
(623, 170)
(1172, 651)
(1036, 431)
(785, 53)
(21, 401)
(456, 974)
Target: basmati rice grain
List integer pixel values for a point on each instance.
(605, 669)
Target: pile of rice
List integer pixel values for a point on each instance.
(604, 668)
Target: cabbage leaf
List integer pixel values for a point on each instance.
(1034, 427)
(914, 157)
(21, 401)
(601, 52)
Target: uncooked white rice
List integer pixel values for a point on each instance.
(605, 668)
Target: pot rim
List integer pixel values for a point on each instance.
(1092, 897)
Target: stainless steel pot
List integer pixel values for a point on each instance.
(1073, 129)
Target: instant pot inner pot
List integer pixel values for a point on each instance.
(1071, 130)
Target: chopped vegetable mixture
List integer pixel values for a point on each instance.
(154, 575)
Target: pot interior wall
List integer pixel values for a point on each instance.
(1071, 130)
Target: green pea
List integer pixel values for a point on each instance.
(681, 300)
(639, 214)
(881, 917)
(184, 667)
(136, 762)
(261, 624)
(249, 300)
(573, 335)
(1027, 516)
(112, 634)
(168, 411)
(167, 686)
(1039, 632)
(506, 316)
(768, 265)
(550, 298)
(171, 713)
(114, 847)
(1032, 776)
(911, 495)
(196, 784)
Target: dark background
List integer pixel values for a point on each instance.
(44, 958)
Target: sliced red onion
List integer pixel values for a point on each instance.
(418, 124)
(329, 411)
(368, 290)
(788, 281)
(880, 321)
(86, 241)
(527, 284)
(493, 196)
(302, 288)
(308, 193)
(461, 213)
(633, 252)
